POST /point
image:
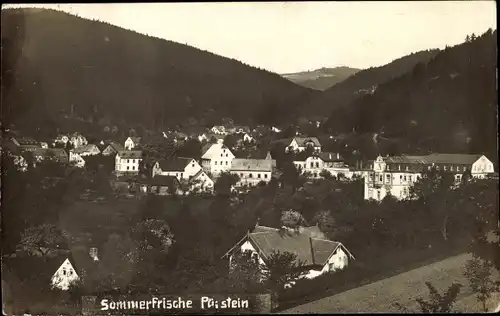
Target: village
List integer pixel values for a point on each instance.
(235, 161)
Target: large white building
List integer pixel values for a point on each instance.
(216, 158)
(252, 171)
(127, 161)
(395, 175)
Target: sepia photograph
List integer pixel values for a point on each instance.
(295, 157)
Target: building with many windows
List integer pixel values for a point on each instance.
(395, 175)
(127, 161)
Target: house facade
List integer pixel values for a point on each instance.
(298, 144)
(251, 171)
(201, 182)
(317, 163)
(54, 154)
(164, 185)
(179, 167)
(78, 140)
(64, 276)
(76, 159)
(319, 255)
(395, 175)
(218, 130)
(127, 161)
(131, 143)
(216, 158)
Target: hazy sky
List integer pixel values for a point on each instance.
(296, 36)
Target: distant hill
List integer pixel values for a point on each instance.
(321, 79)
(363, 82)
(55, 64)
(448, 104)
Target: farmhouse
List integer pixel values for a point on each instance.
(127, 161)
(179, 167)
(76, 159)
(218, 130)
(132, 142)
(112, 149)
(25, 144)
(252, 171)
(201, 182)
(78, 140)
(319, 255)
(164, 185)
(216, 158)
(395, 175)
(298, 144)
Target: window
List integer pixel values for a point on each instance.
(331, 267)
(215, 163)
(250, 175)
(70, 272)
(380, 178)
(258, 175)
(221, 155)
(226, 163)
(388, 177)
(127, 167)
(133, 167)
(312, 165)
(400, 178)
(226, 155)
(404, 178)
(64, 271)
(317, 165)
(241, 174)
(265, 176)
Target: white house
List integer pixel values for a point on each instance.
(216, 158)
(395, 175)
(202, 137)
(132, 142)
(86, 150)
(298, 144)
(318, 254)
(219, 130)
(64, 276)
(201, 182)
(275, 130)
(252, 171)
(61, 139)
(331, 162)
(76, 159)
(127, 161)
(78, 140)
(179, 167)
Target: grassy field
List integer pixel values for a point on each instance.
(403, 288)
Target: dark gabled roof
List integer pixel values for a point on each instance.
(302, 141)
(166, 181)
(133, 154)
(454, 159)
(44, 152)
(312, 251)
(174, 164)
(116, 146)
(26, 141)
(85, 148)
(239, 164)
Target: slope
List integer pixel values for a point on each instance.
(363, 82)
(448, 104)
(62, 65)
(321, 79)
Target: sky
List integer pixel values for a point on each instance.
(286, 37)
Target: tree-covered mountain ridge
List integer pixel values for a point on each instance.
(58, 64)
(447, 104)
(363, 82)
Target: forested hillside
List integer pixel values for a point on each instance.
(448, 104)
(55, 64)
(362, 83)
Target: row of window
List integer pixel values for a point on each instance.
(130, 160)
(251, 175)
(221, 163)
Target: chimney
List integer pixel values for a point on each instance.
(329, 156)
(338, 156)
(93, 254)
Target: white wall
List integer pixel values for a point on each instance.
(482, 167)
(245, 178)
(340, 260)
(122, 164)
(129, 144)
(64, 276)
